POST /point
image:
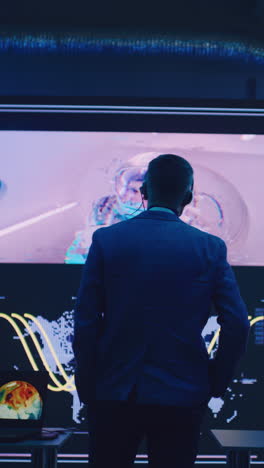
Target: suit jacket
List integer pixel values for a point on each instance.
(146, 293)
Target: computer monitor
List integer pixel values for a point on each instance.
(22, 399)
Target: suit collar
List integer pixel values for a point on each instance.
(158, 208)
(155, 214)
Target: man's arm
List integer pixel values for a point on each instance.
(87, 321)
(233, 320)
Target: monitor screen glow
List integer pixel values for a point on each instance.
(20, 400)
(58, 187)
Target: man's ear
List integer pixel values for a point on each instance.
(143, 190)
(188, 198)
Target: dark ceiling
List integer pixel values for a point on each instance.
(239, 19)
(101, 48)
(204, 15)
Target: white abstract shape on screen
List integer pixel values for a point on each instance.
(234, 415)
(60, 332)
(215, 405)
(208, 333)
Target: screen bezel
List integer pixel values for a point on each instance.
(128, 118)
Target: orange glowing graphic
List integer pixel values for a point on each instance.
(20, 400)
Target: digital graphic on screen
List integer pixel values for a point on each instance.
(20, 400)
(57, 188)
(37, 334)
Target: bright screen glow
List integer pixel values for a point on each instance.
(20, 400)
(57, 188)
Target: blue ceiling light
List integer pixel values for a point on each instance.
(96, 44)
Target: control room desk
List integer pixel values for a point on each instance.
(238, 445)
(43, 452)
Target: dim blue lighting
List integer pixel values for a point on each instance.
(94, 44)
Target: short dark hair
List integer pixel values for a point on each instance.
(168, 177)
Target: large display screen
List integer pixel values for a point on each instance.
(57, 187)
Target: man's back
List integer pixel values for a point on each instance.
(156, 279)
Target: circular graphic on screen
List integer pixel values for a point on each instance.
(217, 207)
(20, 400)
(127, 181)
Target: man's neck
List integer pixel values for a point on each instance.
(161, 208)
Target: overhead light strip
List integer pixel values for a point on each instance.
(49, 107)
(131, 110)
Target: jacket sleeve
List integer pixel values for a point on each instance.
(233, 320)
(88, 316)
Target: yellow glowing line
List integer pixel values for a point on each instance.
(256, 319)
(42, 357)
(59, 387)
(67, 379)
(23, 341)
(215, 337)
(213, 341)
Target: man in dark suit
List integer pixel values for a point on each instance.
(145, 296)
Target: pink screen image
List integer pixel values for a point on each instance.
(57, 188)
